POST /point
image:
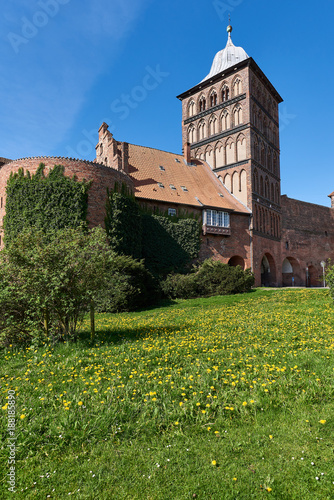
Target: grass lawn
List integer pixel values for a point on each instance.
(220, 398)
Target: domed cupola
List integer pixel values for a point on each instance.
(227, 57)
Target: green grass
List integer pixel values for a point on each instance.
(216, 398)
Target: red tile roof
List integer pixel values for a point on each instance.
(195, 184)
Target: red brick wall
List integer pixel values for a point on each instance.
(101, 177)
(307, 239)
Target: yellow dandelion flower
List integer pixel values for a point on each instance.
(322, 421)
(270, 436)
(269, 489)
(244, 403)
(214, 462)
(22, 417)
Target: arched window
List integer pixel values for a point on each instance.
(192, 134)
(191, 109)
(261, 185)
(202, 130)
(266, 188)
(237, 88)
(275, 169)
(256, 149)
(213, 125)
(213, 99)
(256, 181)
(202, 104)
(226, 120)
(225, 93)
(237, 116)
(269, 164)
(263, 155)
(241, 148)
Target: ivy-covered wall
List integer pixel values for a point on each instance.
(165, 243)
(50, 201)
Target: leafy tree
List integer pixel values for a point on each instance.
(49, 280)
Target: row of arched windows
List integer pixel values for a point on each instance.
(265, 125)
(215, 97)
(264, 98)
(267, 222)
(236, 183)
(224, 152)
(265, 188)
(265, 155)
(214, 125)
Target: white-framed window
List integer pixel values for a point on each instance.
(172, 211)
(216, 218)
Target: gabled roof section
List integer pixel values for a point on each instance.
(178, 182)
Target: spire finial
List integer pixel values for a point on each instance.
(229, 27)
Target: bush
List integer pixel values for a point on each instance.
(330, 280)
(210, 278)
(49, 281)
(129, 286)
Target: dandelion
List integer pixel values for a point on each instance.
(214, 463)
(22, 416)
(322, 421)
(269, 489)
(80, 403)
(244, 403)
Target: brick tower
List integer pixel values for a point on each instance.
(231, 121)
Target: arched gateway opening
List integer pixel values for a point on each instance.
(236, 260)
(268, 271)
(291, 273)
(312, 277)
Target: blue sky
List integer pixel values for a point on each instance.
(69, 65)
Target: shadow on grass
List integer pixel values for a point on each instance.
(124, 336)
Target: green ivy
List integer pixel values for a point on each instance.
(123, 222)
(167, 245)
(45, 202)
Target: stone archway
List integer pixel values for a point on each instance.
(291, 272)
(268, 271)
(312, 277)
(236, 260)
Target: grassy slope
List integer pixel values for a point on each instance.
(242, 381)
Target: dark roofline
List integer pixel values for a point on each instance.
(247, 63)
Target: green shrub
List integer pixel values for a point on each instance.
(210, 278)
(330, 280)
(49, 281)
(129, 286)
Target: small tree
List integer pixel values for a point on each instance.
(49, 280)
(330, 280)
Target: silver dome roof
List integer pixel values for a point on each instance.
(227, 57)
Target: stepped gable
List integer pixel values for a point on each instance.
(195, 184)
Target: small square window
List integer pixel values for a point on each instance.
(172, 211)
(177, 160)
(162, 168)
(184, 188)
(160, 184)
(172, 187)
